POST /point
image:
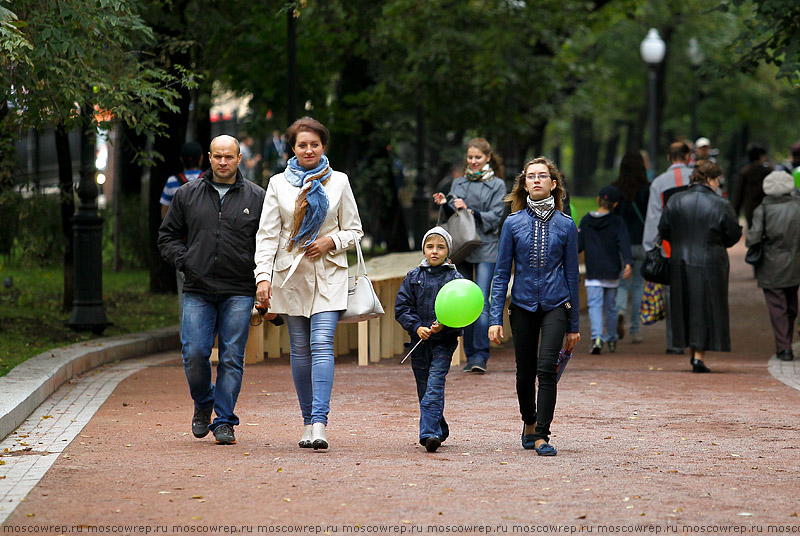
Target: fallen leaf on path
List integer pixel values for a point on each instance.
(745, 514)
(47, 416)
(164, 492)
(196, 496)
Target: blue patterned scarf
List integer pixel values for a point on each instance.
(311, 206)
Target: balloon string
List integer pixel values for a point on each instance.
(409, 353)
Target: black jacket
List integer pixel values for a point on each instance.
(700, 225)
(604, 238)
(217, 253)
(414, 306)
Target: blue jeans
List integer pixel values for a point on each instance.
(476, 335)
(311, 351)
(206, 316)
(602, 306)
(634, 284)
(431, 363)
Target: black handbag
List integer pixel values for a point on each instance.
(655, 267)
(755, 253)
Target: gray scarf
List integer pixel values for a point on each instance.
(544, 208)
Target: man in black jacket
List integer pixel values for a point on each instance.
(209, 235)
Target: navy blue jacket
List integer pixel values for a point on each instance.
(414, 306)
(545, 257)
(604, 238)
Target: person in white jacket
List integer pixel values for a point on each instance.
(308, 221)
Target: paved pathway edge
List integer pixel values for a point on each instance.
(30, 383)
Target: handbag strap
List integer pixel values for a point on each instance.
(362, 266)
(638, 212)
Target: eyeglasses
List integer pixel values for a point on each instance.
(540, 176)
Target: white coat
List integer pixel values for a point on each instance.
(302, 286)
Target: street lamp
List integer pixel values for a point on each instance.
(652, 50)
(696, 59)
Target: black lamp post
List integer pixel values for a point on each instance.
(652, 50)
(696, 59)
(420, 201)
(88, 312)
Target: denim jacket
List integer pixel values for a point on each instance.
(414, 306)
(545, 257)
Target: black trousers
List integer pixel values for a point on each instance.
(782, 307)
(535, 360)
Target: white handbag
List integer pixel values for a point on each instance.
(362, 302)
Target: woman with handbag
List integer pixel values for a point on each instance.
(776, 230)
(635, 189)
(700, 225)
(308, 221)
(481, 191)
(542, 244)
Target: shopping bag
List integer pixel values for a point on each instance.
(654, 304)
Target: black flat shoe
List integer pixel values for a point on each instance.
(699, 366)
(785, 355)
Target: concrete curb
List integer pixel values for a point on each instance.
(29, 384)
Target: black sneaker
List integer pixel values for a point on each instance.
(597, 345)
(201, 420)
(432, 443)
(224, 435)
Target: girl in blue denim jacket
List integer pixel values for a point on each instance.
(414, 310)
(542, 244)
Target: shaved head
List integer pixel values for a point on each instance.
(224, 158)
(227, 139)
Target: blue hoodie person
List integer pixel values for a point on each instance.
(414, 310)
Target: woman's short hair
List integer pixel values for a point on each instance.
(307, 124)
(519, 196)
(704, 171)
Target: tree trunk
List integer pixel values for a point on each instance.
(162, 275)
(67, 195)
(585, 156)
(612, 144)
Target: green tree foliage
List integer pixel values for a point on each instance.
(83, 53)
(771, 34)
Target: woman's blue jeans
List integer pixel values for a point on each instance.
(311, 349)
(634, 284)
(601, 303)
(206, 316)
(431, 363)
(476, 335)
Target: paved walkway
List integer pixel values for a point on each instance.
(642, 443)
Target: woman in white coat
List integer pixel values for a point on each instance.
(308, 221)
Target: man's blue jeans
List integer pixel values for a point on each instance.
(431, 363)
(601, 303)
(206, 316)
(311, 348)
(476, 335)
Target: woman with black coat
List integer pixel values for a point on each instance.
(700, 225)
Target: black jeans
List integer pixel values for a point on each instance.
(537, 361)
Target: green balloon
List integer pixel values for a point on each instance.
(459, 303)
(796, 175)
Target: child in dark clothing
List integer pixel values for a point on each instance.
(604, 237)
(414, 310)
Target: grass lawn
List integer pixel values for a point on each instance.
(31, 320)
(582, 206)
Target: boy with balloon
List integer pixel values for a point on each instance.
(433, 304)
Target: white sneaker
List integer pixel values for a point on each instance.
(636, 338)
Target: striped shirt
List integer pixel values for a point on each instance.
(174, 182)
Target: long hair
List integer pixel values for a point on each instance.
(483, 146)
(632, 175)
(519, 196)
